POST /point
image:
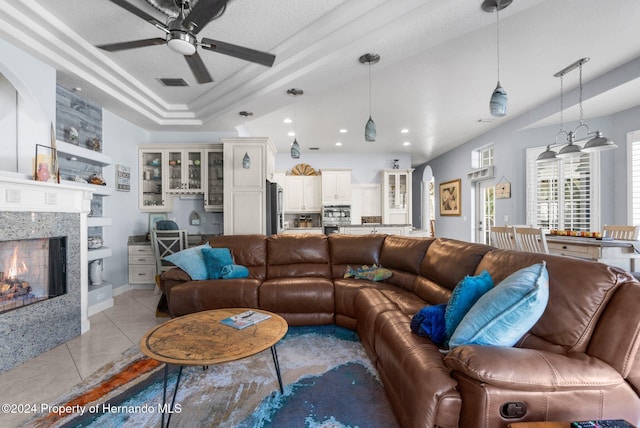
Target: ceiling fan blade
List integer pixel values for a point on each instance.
(112, 47)
(203, 12)
(198, 68)
(140, 13)
(247, 54)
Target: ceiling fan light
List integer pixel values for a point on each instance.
(569, 150)
(181, 42)
(599, 143)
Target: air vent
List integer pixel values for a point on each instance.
(172, 81)
(314, 148)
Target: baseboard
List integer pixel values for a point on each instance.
(129, 287)
(99, 307)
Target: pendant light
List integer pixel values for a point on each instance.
(595, 140)
(246, 160)
(498, 101)
(370, 128)
(295, 146)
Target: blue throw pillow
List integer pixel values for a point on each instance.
(466, 293)
(191, 261)
(429, 321)
(505, 313)
(215, 259)
(234, 271)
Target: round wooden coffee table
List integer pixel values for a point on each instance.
(200, 339)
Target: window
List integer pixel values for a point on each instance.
(563, 194)
(635, 177)
(482, 157)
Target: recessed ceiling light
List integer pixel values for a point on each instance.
(291, 134)
(343, 131)
(404, 131)
(287, 120)
(77, 89)
(338, 143)
(406, 143)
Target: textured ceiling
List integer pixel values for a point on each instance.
(437, 68)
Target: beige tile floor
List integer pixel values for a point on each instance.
(55, 372)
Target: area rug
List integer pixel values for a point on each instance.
(329, 382)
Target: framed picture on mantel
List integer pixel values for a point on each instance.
(450, 198)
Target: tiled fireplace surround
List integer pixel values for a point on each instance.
(30, 209)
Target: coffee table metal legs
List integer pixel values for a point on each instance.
(170, 410)
(274, 354)
(164, 396)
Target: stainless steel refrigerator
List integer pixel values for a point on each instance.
(275, 212)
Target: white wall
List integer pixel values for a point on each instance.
(365, 168)
(36, 85)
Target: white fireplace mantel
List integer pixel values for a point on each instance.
(22, 195)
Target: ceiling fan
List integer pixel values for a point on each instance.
(181, 34)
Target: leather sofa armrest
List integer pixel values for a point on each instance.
(530, 369)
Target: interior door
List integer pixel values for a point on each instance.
(485, 211)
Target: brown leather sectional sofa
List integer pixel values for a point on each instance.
(580, 361)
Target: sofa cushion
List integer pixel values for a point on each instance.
(215, 259)
(505, 313)
(403, 253)
(448, 261)
(291, 256)
(464, 296)
(191, 261)
(579, 291)
(354, 250)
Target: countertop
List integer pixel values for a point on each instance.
(376, 225)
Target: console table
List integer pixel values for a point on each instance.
(624, 253)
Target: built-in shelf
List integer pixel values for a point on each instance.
(97, 190)
(98, 221)
(71, 150)
(99, 253)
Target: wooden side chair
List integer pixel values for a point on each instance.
(503, 237)
(531, 239)
(164, 243)
(627, 233)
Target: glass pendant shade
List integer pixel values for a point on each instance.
(598, 143)
(498, 102)
(295, 149)
(246, 161)
(370, 130)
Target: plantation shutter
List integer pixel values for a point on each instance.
(562, 194)
(635, 182)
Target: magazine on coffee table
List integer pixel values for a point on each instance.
(245, 319)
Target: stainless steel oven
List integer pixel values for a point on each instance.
(334, 216)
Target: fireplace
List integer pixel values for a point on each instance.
(32, 270)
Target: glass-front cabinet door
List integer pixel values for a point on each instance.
(184, 170)
(396, 196)
(152, 194)
(214, 191)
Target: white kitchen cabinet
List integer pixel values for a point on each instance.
(336, 186)
(214, 179)
(396, 196)
(142, 264)
(245, 184)
(184, 171)
(152, 194)
(365, 201)
(302, 194)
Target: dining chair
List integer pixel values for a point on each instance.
(628, 233)
(503, 237)
(164, 243)
(531, 239)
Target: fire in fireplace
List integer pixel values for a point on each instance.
(32, 270)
